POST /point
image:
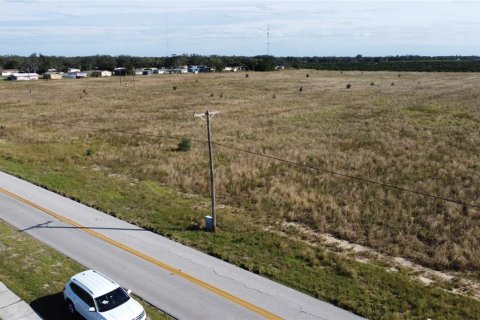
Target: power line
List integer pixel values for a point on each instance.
(290, 162)
(349, 176)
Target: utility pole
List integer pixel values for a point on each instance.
(207, 116)
(30, 81)
(133, 76)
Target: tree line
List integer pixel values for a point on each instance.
(41, 63)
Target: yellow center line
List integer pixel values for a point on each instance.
(262, 312)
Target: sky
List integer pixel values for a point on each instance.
(231, 27)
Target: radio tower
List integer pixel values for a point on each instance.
(268, 39)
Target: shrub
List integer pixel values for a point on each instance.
(89, 152)
(301, 89)
(349, 85)
(174, 88)
(372, 83)
(184, 145)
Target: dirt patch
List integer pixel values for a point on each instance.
(453, 282)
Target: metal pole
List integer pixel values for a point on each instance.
(133, 76)
(29, 81)
(212, 185)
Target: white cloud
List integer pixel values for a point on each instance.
(239, 27)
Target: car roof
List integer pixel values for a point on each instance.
(96, 283)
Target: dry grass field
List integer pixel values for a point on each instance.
(418, 131)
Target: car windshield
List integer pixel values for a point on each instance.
(111, 300)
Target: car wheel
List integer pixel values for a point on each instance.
(70, 307)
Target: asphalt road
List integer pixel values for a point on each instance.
(183, 282)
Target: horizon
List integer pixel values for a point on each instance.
(241, 56)
(149, 28)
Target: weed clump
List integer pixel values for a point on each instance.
(301, 89)
(349, 85)
(246, 75)
(89, 152)
(184, 145)
(372, 83)
(174, 87)
(307, 75)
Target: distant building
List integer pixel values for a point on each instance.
(75, 75)
(180, 69)
(159, 71)
(80, 75)
(205, 69)
(73, 70)
(24, 76)
(7, 72)
(121, 71)
(101, 73)
(52, 75)
(234, 68)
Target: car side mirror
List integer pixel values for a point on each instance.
(129, 291)
(91, 309)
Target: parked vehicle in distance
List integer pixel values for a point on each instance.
(96, 297)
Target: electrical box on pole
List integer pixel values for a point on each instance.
(207, 117)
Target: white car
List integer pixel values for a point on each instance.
(96, 297)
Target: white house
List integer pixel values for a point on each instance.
(81, 75)
(24, 76)
(7, 72)
(101, 73)
(75, 75)
(180, 69)
(233, 69)
(52, 75)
